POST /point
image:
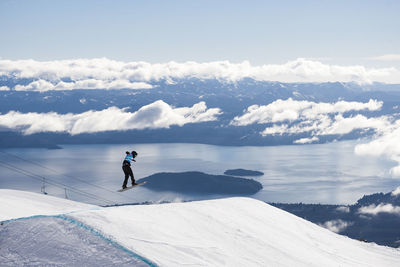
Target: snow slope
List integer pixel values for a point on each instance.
(15, 204)
(224, 232)
(232, 232)
(49, 241)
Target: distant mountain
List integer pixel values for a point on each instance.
(379, 198)
(231, 98)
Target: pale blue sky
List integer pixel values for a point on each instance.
(338, 32)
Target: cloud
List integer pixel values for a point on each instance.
(4, 88)
(110, 74)
(155, 115)
(387, 57)
(381, 208)
(384, 145)
(291, 110)
(307, 140)
(344, 209)
(43, 85)
(279, 110)
(396, 192)
(336, 226)
(290, 117)
(342, 125)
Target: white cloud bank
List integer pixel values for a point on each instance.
(156, 115)
(336, 226)
(344, 209)
(43, 85)
(396, 192)
(385, 145)
(318, 119)
(103, 73)
(291, 110)
(387, 57)
(381, 208)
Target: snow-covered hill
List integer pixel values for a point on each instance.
(17, 204)
(224, 232)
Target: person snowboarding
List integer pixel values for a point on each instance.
(126, 167)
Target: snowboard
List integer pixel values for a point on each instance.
(130, 187)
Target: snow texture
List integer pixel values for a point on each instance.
(231, 232)
(53, 241)
(16, 204)
(223, 232)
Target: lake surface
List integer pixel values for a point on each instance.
(324, 173)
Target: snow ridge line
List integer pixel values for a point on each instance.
(91, 230)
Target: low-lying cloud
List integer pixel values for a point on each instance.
(381, 208)
(292, 110)
(396, 192)
(336, 226)
(156, 115)
(385, 145)
(344, 209)
(103, 73)
(43, 85)
(387, 57)
(291, 117)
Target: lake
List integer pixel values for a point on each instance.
(322, 173)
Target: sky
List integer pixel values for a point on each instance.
(343, 32)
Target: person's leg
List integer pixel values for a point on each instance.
(132, 177)
(126, 171)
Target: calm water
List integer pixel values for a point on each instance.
(328, 173)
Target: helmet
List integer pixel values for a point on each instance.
(134, 153)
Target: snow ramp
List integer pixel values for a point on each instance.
(231, 232)
(222, 232)
(56, 241)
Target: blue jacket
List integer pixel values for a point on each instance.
(128, 159)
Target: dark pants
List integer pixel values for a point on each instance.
(128, 172)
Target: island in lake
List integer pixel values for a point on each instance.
(243, 172)
(201, 183)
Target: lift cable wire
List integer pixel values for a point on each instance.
(65, 175)
(54, 183)
(51, 182)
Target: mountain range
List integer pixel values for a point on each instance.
(230, 101)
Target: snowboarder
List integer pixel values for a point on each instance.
(126, 167)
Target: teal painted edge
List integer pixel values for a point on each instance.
(91, 230)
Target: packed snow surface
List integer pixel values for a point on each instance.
(49, 241)
(16, 204)
(223, 232)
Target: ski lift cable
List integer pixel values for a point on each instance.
(50, 182)
(65, 175)
(54, 183)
